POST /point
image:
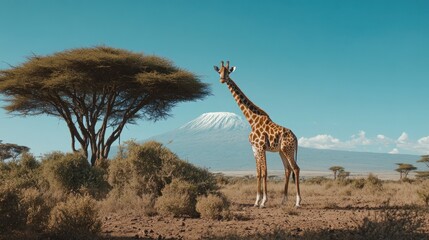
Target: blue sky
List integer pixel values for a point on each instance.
(349, 75)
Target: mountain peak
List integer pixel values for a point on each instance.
(216, 121)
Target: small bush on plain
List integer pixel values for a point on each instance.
(77, 218)
(213, 206)
(178, 199)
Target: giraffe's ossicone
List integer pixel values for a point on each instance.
(265, 136)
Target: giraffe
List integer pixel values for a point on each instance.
(265, 136)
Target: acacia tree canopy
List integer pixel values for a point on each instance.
(10, 150)
(404, 169)
(97, 91)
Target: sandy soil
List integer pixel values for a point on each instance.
(318, 212)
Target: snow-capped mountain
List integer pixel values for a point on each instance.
(216, 121)
(219, 141)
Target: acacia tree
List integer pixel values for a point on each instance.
(404, 169)
(423, 174)
(335, 170)
(97, 91)
(11, 150)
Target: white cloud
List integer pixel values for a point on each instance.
(394, 151)
(321, 141)
(403, 139)
(383, 140)
(424, 141)
(360, 139)
(361, 142)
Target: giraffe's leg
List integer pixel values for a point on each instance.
(264, 178)
(288, 171)
(258, 177)
(290, 156)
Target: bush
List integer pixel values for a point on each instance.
(178, 199)
(120, 201)
(23, 173)
(37, 208)
(316, 180)
(72, 173)
(148, 167)
(213, 206)
(423, 192)
(374, 182)
(12, 215)
(393, 224)
(77, 218)
(358, 183)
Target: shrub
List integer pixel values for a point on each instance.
(392, 224)
(37, 208)
(23, 173)
(358, 183)
(212, 206)
(120, 201)
(316, 180)
(148, 167)
(178, 199)
(72, 173)
(12, 215)
(140, 170)
(374, 182)
(77, 218)
(423, 192)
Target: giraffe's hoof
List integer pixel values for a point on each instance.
(256, 205)
(297, 206)
(262, 206)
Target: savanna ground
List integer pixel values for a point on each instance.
(349, 209)
(149, 193)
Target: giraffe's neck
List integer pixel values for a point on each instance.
(248, 108)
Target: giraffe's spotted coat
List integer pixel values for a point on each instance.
(265, 136)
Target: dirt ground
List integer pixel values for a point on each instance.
(324, 208)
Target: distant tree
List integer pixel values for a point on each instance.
(10, 150)
(424, 159)
(342, 174)
(423, 174)
(404, 169)
(335, 170)
(97, 91)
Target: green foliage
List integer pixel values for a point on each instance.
(213, 206)
(178, 199)
(92, 89)
(77, 218)
(148, 167)
(71, 173)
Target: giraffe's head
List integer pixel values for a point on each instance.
(224, 71)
